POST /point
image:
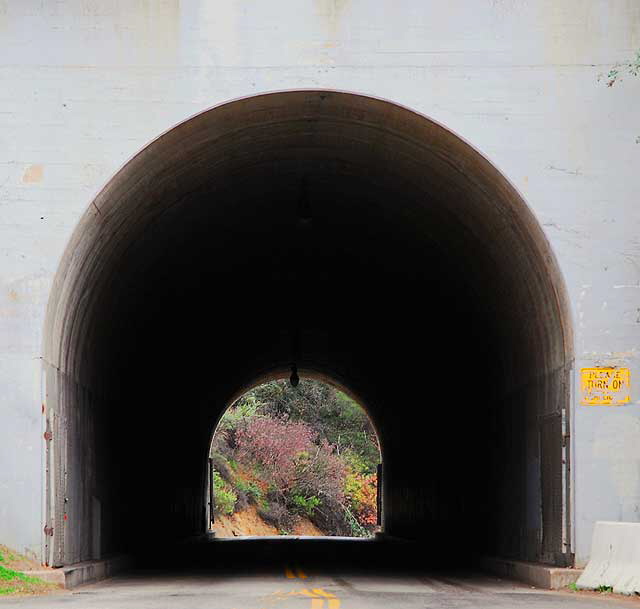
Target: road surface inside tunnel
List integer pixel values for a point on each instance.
(293, 584)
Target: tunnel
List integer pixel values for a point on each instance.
(350, 236)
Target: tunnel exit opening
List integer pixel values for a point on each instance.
(294, 457)
(394, 256)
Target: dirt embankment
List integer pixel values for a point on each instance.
(247, 523)
(15, 578)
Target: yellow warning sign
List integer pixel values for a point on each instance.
(608, 386)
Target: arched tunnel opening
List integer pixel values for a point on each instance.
(353, 237)
(295, 457)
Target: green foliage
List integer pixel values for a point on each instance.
(605, 589)
(573, 586)
(245, 407)
(16, 582)
(224, 497)
(304, 505)
(615, 74)
(251, 489)
(356, 463)
(11, 575)
(631, 67)
(332, 414)
(7, 555)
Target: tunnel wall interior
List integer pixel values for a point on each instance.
(355, 237)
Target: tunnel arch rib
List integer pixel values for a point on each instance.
(362, 240)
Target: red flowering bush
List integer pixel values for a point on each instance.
(275, 444)
(320, 472)
(291, 458)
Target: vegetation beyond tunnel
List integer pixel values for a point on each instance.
(297, 460)
(355, 238)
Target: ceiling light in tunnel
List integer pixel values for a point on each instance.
(294, 379)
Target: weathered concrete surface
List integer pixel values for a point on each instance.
(89, 84)
(615, 558)
(536, 574)
(327, 590)
(94, 570)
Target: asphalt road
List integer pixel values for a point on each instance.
(293, 588)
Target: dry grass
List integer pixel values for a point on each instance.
(12, 579)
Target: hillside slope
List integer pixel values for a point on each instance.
(247, 523)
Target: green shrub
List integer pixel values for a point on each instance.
(251, 490)
(224, 498)
(604, 589)
(304, 505)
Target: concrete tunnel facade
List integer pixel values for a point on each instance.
(362, 241)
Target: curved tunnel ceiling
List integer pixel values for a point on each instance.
(353, 236)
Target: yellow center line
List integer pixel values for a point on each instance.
(294, 573)
(321, 592)
(318, 596)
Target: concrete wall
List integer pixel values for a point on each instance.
(87, 84)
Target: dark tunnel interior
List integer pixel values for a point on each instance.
(354, 237)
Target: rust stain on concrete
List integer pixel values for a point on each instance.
(332, 11)
(33, 174)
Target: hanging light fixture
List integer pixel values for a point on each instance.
(294, 379)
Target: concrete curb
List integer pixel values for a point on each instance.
(615, 558)
(536, 574)
(83, 572)
(94, 570)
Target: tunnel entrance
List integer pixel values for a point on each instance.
(351, 235)
(294, 457)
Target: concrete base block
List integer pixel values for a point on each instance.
(615, 558)
(84, 572)
(536, 574)
(94, 570)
